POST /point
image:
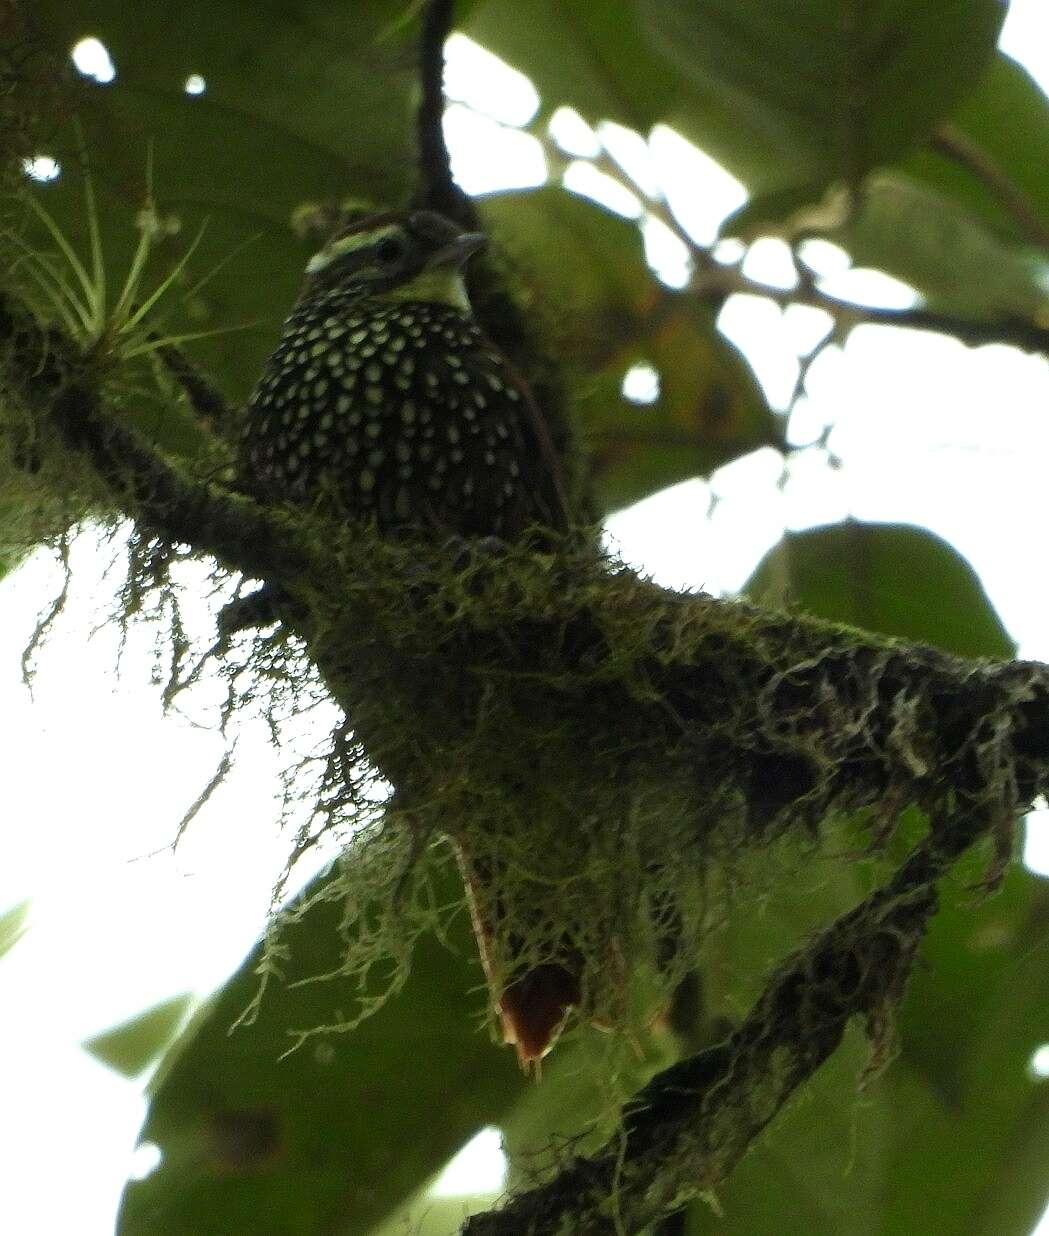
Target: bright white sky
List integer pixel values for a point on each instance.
(120, 923)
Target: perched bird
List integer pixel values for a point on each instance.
(385, 402)
(384, 395)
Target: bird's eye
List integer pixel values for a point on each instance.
(389, 250)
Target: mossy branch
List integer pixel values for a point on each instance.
(557, 714)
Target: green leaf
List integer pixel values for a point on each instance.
(974, 1016)
(1007, 117)
(612, 313)
(934, 1144)
(135, 1044)
(891, 578)
(13, 926)
(845, 87)
(599, 59)
(945, 250)
(782, 94)
(336, 1135)
(933, 221)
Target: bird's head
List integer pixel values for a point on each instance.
(415, 255)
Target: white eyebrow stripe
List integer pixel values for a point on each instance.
(323, 258)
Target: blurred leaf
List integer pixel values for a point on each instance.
(891, 578)
(934, 222)
(584, 268)
(436, 1216)
(13, 926)
(599, 59)
(942, 248)
(1007, 116)
(335, 1136)
(135, 1044)
(781, 94)
(974, 1016)
(844, 87)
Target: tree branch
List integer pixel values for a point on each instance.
(206, 399)
(678, 727)
(439, 190)
(57, 387)
(496, 309)
(715, 283)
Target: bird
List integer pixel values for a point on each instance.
(384, 396)
(385, 403)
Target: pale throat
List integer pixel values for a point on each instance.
(443, 284)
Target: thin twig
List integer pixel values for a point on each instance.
(715, 283)
(955, 144)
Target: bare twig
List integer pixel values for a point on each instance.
(953, 142)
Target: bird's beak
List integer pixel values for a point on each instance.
(458, 251)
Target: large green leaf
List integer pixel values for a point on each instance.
(584, 269)
(963, 1091)
(952, 1138)
(892, 578)
(943, 248)
(1006, 117)
(936, 222)
(783, 94)
(336, 1135)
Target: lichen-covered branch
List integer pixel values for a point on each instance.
(597, 745)
(685, 1131)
